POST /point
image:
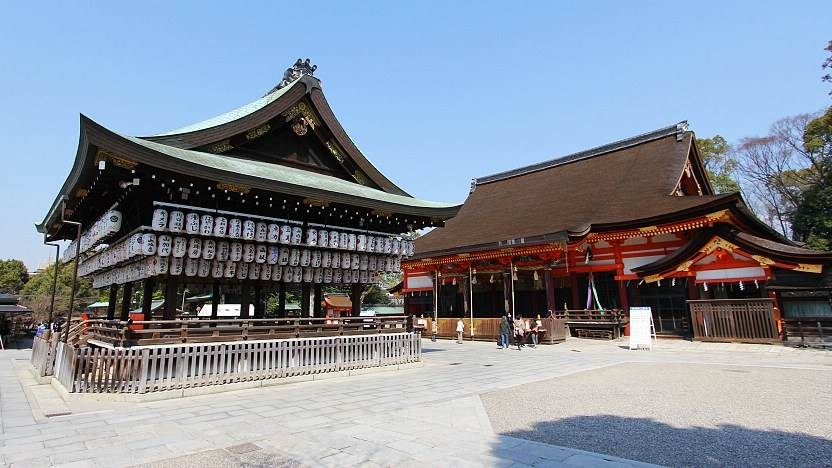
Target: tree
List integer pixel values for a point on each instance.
(812, 217)
(13, 276)
(715, 154)
(37, 293)
(827, 64)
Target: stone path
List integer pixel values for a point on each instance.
(430, 415)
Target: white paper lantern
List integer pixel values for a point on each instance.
(254, 271)
(298, 274)
(297, 235)
(260, 253)
(361, 243)
(345, 260)
(284, 256)
(191, 267)
(380, 263)
(236, 251)
(355, 261)
(364, 276)
(336, 275)
(389, 264)
(346, 276)
(266, 272)
(165, 245)
(343, 240)
(294, 257)
(336, 260)
(396, 249)
(180, 247)
(249, 253)
(230, 268)
(351, 241)
(327, 275)
(364, 262)
(249, 229)
(206, 225)
(273, 255)
(333, 239)
(323, 238)
(371, 244)
(217, 268)
(277, 273)
(261, 232)
(326, 259)
(305, 257)
(148, 244)
(209, 249)
(223, 251)
(176, 265)
(235, 228)
(242, 271)
(273, 234)
(319, 275)
(160, 219)
(221, 226)
(285, 234)
(194, 247)
(204, 268)
(308, 274)
(162, 266)
(316, 258)
(311, 237)
(288, 274)
(176, 221)
(192, 223)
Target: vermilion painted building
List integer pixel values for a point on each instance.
(638, 216)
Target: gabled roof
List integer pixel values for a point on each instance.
(616, 185)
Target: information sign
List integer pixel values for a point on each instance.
(641, 328)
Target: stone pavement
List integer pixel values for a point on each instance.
(430, 415)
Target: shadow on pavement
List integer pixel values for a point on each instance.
(646, 440)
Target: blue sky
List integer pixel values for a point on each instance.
(434, 93)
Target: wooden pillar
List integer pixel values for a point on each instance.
(171, 298)
(576, 300)
(306, 300)
(355, 296)
(111, 306)
(550, 292)
(508, 305)
(693, 289)
(281, 299)
(622, 296)
(317, 299)
(147, 297)
(125, 301)
(215, 299)
(245, 298)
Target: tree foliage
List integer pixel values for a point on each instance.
(716, 157)
(13, 275)
(828, 64)
(812, 217)
(37, 293)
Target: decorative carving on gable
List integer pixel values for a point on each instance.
(316, 202)
(763, 261)
(258, 132)
(80, 193)
(361, 178)
(717, 216)
(718, 243)
(220, 147)
(336, 150)
(303, 110)
(684, 266)
(117, 159)
(382, 213)
(300, 68)
(809, 268)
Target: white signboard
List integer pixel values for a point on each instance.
(641, 328)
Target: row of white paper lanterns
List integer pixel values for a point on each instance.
(229, 269)
(235, 228)
(209, 249)
(106, 225)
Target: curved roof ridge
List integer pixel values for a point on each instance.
(677, 129)
(231, 115)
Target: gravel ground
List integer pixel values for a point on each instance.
(678, 415)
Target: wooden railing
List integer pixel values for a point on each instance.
(582, 323)
(174, 367)
(43, 354)
(743, 320)
(808, 331)
(196, 330)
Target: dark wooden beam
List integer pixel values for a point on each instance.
(245, 298)
(111, 306)
(319, 298)
(355, 296)
(171, 296)
(147, 297)
(126, 300)
(305, 299)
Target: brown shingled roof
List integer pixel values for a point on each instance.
(614, 184)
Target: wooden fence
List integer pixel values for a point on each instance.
(488, 329)
(199, 330)
(742, 320)
(43, 355)
(172, 367)
(808, 331)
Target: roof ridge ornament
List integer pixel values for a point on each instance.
(681, 128)
(300, 68)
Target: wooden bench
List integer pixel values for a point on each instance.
(594, 333)
(808, 332)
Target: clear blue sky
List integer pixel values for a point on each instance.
(434, 93)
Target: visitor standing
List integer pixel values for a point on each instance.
(534, 326)
(519, 331)
(460, 327)
(505, 332)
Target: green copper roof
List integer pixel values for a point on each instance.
(232, 115)
(287, 176)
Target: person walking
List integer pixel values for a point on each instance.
(505, 332)
(519, 331)
(460, 327)
(534, 326)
